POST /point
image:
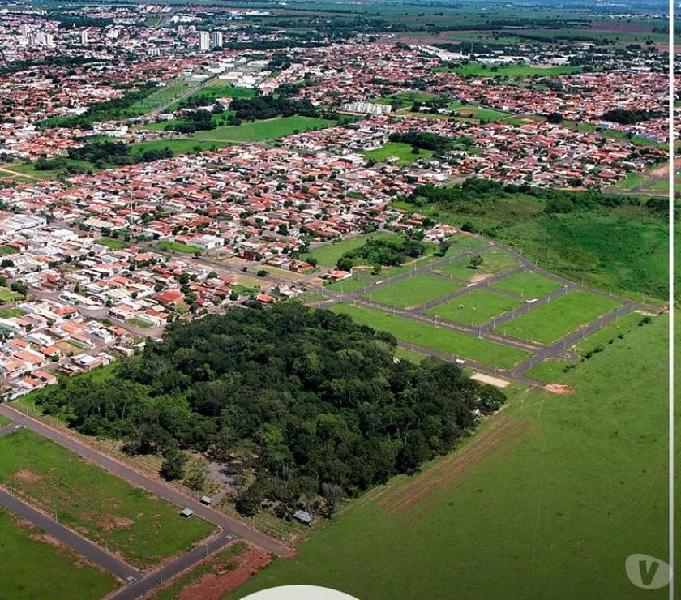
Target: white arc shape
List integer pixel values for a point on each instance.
(299, 592)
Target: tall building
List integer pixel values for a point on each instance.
(204, 41)
(84, 37)
(216, 39)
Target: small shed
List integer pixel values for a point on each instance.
(186, 512)
(205, 500)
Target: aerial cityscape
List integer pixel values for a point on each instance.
(372, 296)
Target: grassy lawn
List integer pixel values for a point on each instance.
(185, 145)
(483, 114)
(8, 313)
(178, 247)
(139, 323)
(551, 370)
(550, 322)
(514, 71)
(7, 295)
(162, 96)
(112, 243)
(107, 510)
(609, 333)
(474, 308)
(259, 131)
(404, 354)
(437, 338)
(4, 420)
(5, 250)
(527, 506)
(328, 254)
(402, 152)
(528, 284)
(32, 567)
(412, 291)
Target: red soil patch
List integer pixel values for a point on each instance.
(111, 522)
(503, 435)
(28, 476)
(240, 569)
(559, 388)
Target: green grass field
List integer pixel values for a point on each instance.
(514, 71)
(7, 295)
(602, 337)
(554, 320)
(31, 567)
(402, 152)
(437, 338)
(107, 510)
(162, 96)
(546, 500)
(475, 307)
(170, 246)
(412, 291)
(551, 370)
(328, 254)
(112, 243)
(259, 131)
(528, 284)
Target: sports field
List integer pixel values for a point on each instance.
(32, 565)
(546, 501)
(474, 308)
(437, 338)
(554, 320)
(107, 510)
(412, 291)
(528, 284)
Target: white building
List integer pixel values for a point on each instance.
(204, 41)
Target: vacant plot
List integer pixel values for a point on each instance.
(475, 308)
(545, 490)
(7, 295)
(328, 254)
(528, 284)
(493, 262)
(34, 565)
(554, 320)
(438, 338)
(107, 510)
(609, 333)
(551, 370)
(403, 154)
(515, 71)
(112, 243)
(412, 291)
(259, 131)
(178, 247)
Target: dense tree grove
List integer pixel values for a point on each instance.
(302, 403)
(631, 116)
(427, 140)
(268, 107)
(383, 251)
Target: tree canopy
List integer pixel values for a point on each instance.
(301, 403)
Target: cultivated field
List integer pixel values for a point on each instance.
(139, 526)
(554, 320)
(34, 565)
(544, 491)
